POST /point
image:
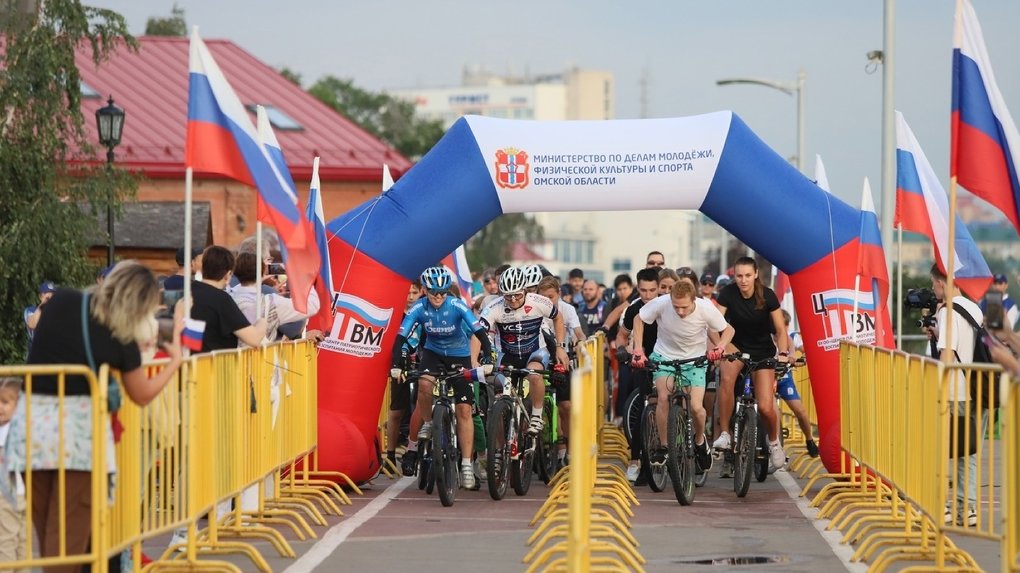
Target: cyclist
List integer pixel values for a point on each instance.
(516, 318)
(684, 324)
(442, 318)
(753, 311)
(550, 288)
(667, 278)
(532, 276)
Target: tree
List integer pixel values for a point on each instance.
(390, 119)
(45, 175)
(490, 247)
(291, 75)
(174, 26)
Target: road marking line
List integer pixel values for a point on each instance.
(341, 531)
(832, 537)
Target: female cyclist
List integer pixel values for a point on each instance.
(753, 311)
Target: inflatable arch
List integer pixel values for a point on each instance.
(484, 167)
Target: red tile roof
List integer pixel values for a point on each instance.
(151, 86)
(522, 252)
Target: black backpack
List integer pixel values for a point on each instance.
(989, 385)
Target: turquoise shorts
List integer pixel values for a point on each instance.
(690, 375)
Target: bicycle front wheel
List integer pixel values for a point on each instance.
(680, 459)
(444, 455)
(522, 468)
(657, 474)
(745, 451)
(547, 444)
(632, 410)
(761, 458)
(498, 456)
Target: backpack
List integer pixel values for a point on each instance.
(989, 385)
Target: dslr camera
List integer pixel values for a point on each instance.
(924, 300)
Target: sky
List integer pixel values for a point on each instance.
(682, 47)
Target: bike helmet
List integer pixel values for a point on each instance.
(512, 280)
(532, 275)
(436, 279)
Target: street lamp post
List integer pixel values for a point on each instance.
(789, 88)
(110, 121)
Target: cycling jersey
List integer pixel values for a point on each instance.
(570, 321)
(519, 331)
(444, 327)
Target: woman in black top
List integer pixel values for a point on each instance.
(753, 311)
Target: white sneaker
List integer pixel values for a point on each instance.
(633, 471)
(425, 432)
(180, 538)
(776, 455)
(467, 478)
(722, 442)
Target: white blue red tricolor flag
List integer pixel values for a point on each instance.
(923, 207)
(456, 263)
(318, 221)
(985, 150)
(191, 336)
(871, 257)
(221, 139)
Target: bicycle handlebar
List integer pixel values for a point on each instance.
(697, 361)
(512, 372)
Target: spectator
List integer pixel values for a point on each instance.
(33, 313)
(572, 294)
(655, 259)
(1001, 284)
(592, 309)
(225, 324)
(708, 286)
(176, 281)
(12, 491)
(277, 309)
(91, 328)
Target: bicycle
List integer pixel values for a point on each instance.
(680, 457)
(546, 449)
(750, 447)
(511, 452)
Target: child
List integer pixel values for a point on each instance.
(12, 490)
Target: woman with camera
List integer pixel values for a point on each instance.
(102, 325)
(276, 308)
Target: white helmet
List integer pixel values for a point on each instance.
(512, 280)
(532, 275)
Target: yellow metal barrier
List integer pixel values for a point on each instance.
(588, 507)
(1010, 433)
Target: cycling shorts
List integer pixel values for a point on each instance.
(690, 375)
(400, 395)
(787, 389)
(541, 356)
(463, 389)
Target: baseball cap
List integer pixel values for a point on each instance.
(1001, 278)
(708, 279)
(47, 286)
(179, 256)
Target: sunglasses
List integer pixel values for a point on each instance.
(439, 292)
(515, 296)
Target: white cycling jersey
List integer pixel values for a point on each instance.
(519, 331)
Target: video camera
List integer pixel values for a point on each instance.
(923, 299)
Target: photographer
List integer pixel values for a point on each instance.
(962, 345)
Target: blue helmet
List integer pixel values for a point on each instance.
(436, 278)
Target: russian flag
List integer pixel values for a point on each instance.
(191, 336)
(318, 221)
(914, 175)
(871, 256)
(821, 179)
(221, 139)
(302, 261)
(985, 149)
(456, 263)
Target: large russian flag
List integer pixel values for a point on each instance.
(871, 257)
(985, 150)
(916, 178)
(221, 139)
(318, 221)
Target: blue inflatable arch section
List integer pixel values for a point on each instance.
(485, 167)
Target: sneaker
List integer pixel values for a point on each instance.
(723, 442)
(467, 478)
(812, 448)
(776, 455)
(726, 471)
(658, 457)
(180, 539)
(970, 520)
(947, 518)
(633, 471)
(536, 425)
(409, 463)
(425, 432)
(702, 456)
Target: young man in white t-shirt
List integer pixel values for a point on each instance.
(961, 342)
(685, 324)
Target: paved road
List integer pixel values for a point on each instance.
(396, 527)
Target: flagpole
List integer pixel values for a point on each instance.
(947, 352)
(187, 249)
(899, 287)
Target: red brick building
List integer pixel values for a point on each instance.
(151, 86)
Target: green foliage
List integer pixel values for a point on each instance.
(43, 233)
(490, 247)
(390, 119)
(291, 75)
(174, 26)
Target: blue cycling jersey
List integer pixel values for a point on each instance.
(447, 329)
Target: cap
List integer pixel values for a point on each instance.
(47, 286)
(708, 279)
(723, 281)
(1001, 278)
(179, 256)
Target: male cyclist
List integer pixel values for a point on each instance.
(550, 288)
(516, 318)
(442, 319)
(684, 324)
